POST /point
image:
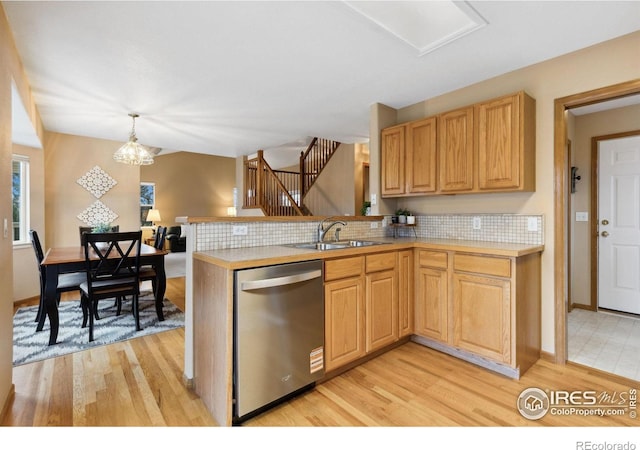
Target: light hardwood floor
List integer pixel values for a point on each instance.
(139, 383)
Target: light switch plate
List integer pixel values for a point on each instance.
(582, 216)
(532, 224)
(374, 199)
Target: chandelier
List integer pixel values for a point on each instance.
(133, 153)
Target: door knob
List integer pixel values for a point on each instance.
(604, 234)
(605, 222)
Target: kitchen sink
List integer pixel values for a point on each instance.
(335, 245)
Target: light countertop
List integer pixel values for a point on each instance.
(242, 258)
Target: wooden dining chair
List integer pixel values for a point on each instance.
(112, 263)
(67, 282)
(148, 273)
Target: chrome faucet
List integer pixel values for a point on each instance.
(323, 231)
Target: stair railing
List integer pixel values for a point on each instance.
(270, 190)
(313, 161)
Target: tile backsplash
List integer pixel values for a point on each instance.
(512, 228)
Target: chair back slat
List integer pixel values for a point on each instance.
(161, 234)
(112, 256)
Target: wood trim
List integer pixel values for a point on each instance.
(249, 219)
(8, 403)
(568, 216)
(595, 219)
(561, 168)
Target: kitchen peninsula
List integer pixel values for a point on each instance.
(476, 300)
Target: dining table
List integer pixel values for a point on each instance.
(59, 260)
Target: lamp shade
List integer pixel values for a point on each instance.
(153, 216)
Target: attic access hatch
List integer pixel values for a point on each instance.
(425, 25)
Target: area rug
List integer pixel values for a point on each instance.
(29, 346)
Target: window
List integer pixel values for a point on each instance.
(20, 194)
(147, 201)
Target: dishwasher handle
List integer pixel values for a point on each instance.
(280, 281)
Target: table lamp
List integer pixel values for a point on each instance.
(153, 216)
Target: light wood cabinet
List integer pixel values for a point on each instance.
(409, 158)
(381, 309)
(344, 312)
(484, 306)
(363, 298)
(482, 316)
(421, 152)
(432, 296)
(406, 308)
(456, 150)
(484, 147)
(392, 159)
(381, 292)
(506, 144)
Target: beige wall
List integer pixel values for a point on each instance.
(587, 126)
(191, 184)
(602, 65)
(26, 282)
(332, 194)
(69, 157)
(10, 69)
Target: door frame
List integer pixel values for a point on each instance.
(561, 189)
(595, 184)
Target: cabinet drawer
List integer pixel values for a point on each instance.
(488, 265)
(428, 258)
(334, 269)
(380, 261)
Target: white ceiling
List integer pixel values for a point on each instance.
(229, 78)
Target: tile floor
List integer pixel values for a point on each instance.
(605, 341)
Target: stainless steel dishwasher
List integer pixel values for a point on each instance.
(278, 334)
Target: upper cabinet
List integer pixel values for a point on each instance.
(409, 158)
(393, 154)
(506, 144)
(485, 147)
(456, 150)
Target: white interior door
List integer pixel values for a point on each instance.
(619, 226)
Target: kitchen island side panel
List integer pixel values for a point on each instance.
(213, 339)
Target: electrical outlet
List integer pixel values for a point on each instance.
(374, 225)
(240, 230)
(532, 224)
(477, 223)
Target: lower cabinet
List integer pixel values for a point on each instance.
(406, 303)
(486, 307)
(381, 293)
(368, 301)
(482, 316)
(344, 321)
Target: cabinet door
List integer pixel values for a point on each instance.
(482, 316)
(382, 309)
(455, 138)
(405, 293)
(393, 154)
(432, 304)
(421, 156)
(344, 322)
(499, 146)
